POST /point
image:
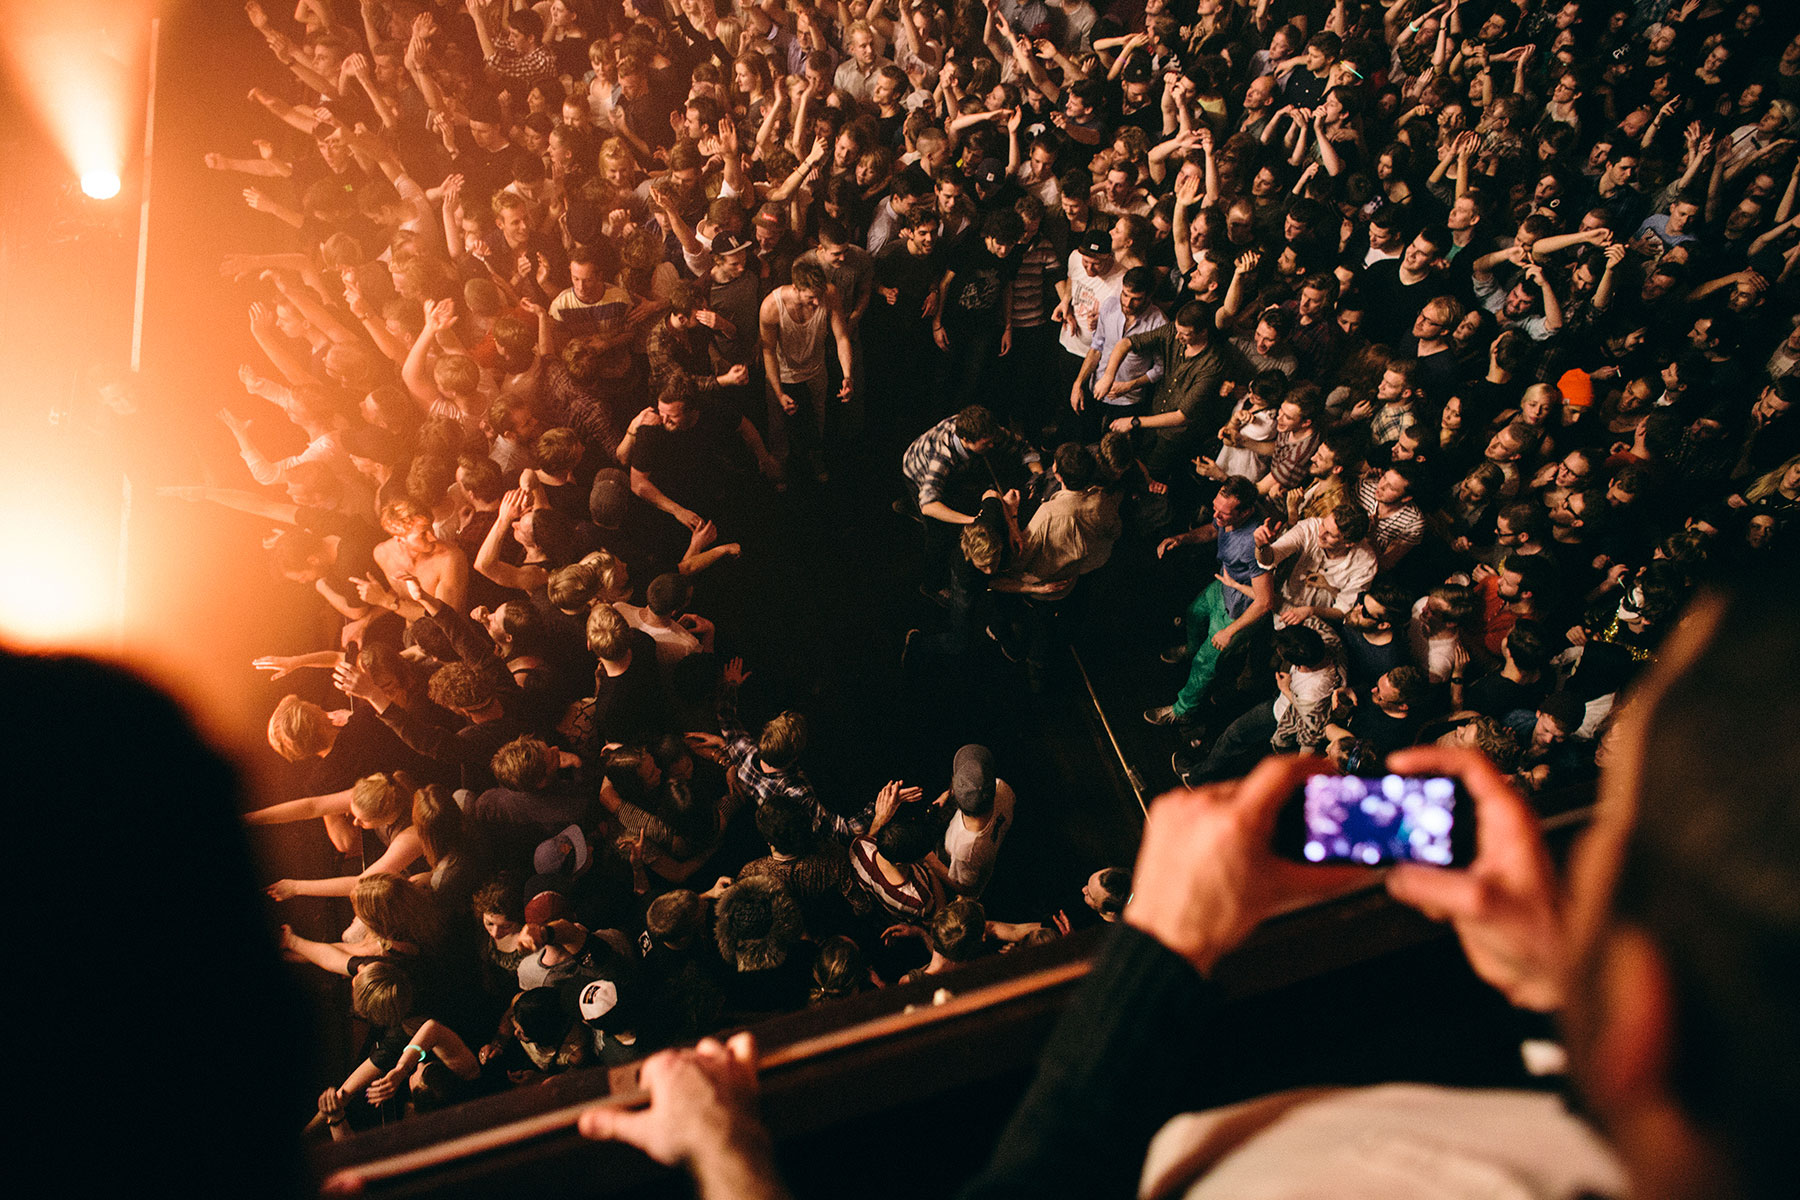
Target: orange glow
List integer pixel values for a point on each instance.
(80, 67)
(57, 590)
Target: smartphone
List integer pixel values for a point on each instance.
(1373, 821)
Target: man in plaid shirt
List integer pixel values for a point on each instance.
(952, 445)
(764, 765)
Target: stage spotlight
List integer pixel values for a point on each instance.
(100, 185)
(82, 68)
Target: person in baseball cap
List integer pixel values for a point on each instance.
(1096, 245)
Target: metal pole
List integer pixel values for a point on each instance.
(143, 246)
(1131, 776)
(122, 578)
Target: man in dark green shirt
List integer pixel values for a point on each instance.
(1186, 409)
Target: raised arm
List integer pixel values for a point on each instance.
(1187, 190)
(1546, 246)
(413, 373)
(1553, 311)
(406, 849)
(1785, 209)
(356, 67)
(254, 503)
(262, 202)
(320, 315)
(1328, 155)
(332, 804)
(487, 559)
(327, 956)
(481, 30)
(1603, 291)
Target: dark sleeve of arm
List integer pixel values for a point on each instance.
(327, 523)
(433, 741)
(1120, 1063)
(472, 643)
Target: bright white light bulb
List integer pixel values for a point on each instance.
(101, 185)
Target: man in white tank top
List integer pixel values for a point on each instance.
(794, 320)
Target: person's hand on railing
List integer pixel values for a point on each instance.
(701, 1115)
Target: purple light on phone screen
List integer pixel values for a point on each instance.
(1374, 821)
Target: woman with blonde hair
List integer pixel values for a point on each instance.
(381, 803)
(401, 916)
(1777, 492)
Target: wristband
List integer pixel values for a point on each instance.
(420, 1049)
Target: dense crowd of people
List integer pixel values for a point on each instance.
(1434, 354)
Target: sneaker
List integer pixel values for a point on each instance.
(1008, 655)
(1178, 763)
(1160, 716)
(1177, 653)
(938, 596)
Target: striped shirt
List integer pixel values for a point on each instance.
(917, 896)
(1039, 265)
(1291, 462)
(1405, 527)
(603, 319)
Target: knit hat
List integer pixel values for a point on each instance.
(1577, 387)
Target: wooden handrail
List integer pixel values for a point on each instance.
(352, 1180)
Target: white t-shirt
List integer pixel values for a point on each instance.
(1437, 652)
(972, 853)
(1086, 294)
(1396, 1142)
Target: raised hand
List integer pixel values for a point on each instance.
(372, 591)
